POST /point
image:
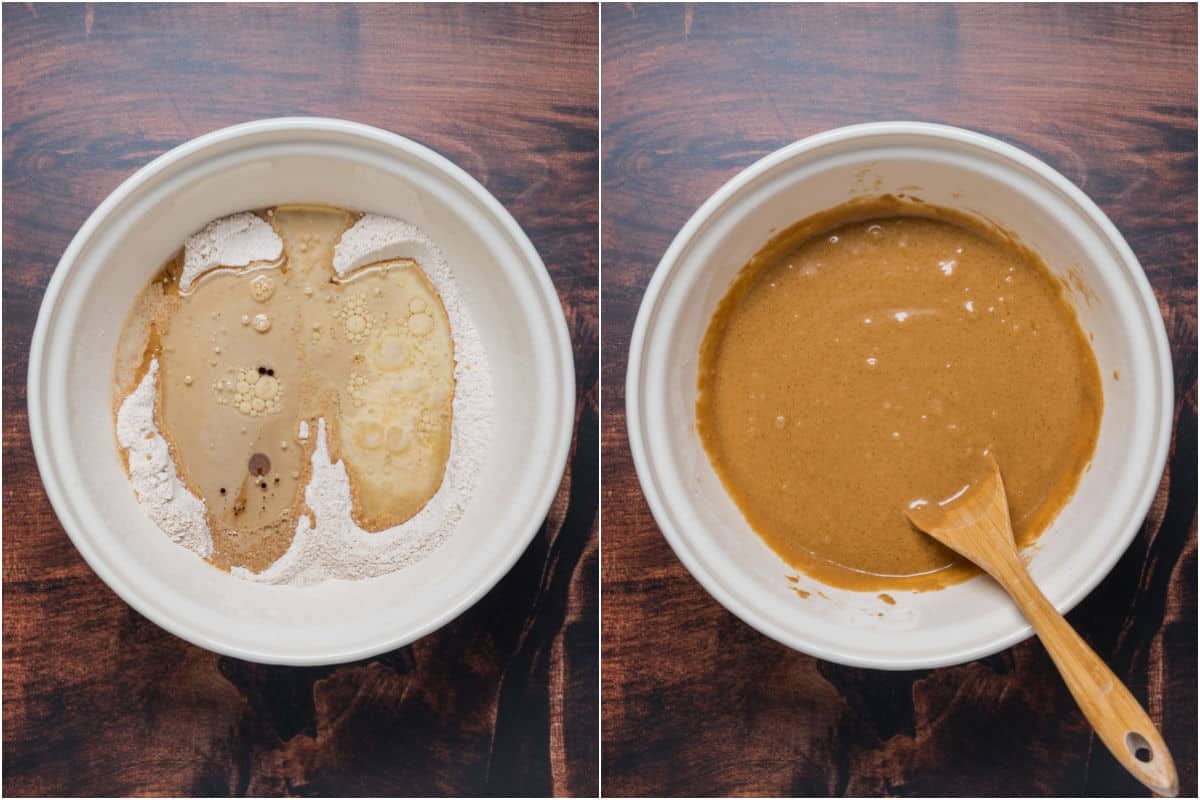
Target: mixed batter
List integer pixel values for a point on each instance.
(867, 358)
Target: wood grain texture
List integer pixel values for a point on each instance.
(696, 702)
(97, 700)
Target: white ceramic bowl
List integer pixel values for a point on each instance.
(506, 290)
(949, 167)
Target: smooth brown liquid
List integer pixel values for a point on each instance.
(247, 354)
(867, 358)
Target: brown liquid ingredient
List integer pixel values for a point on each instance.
(247, 354)
(866, 358)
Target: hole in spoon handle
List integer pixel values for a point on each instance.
(1139, 747)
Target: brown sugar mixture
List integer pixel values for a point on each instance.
(249, 358)
(867, 358)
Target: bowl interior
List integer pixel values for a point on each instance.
(704, 526)
(506, 292)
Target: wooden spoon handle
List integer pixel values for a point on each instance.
(1121, 722)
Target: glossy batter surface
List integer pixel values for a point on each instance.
(865, 359)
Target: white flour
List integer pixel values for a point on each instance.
(376, 238)
(332, 546)
(234, 241)
(166, 500)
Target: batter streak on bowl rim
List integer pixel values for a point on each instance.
(866, 358)
(284, 356)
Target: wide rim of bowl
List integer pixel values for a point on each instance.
(556, 331)
(872, 133)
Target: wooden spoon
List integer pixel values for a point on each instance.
(975, 524)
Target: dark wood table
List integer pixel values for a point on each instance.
(97, 700)
(696, 702)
